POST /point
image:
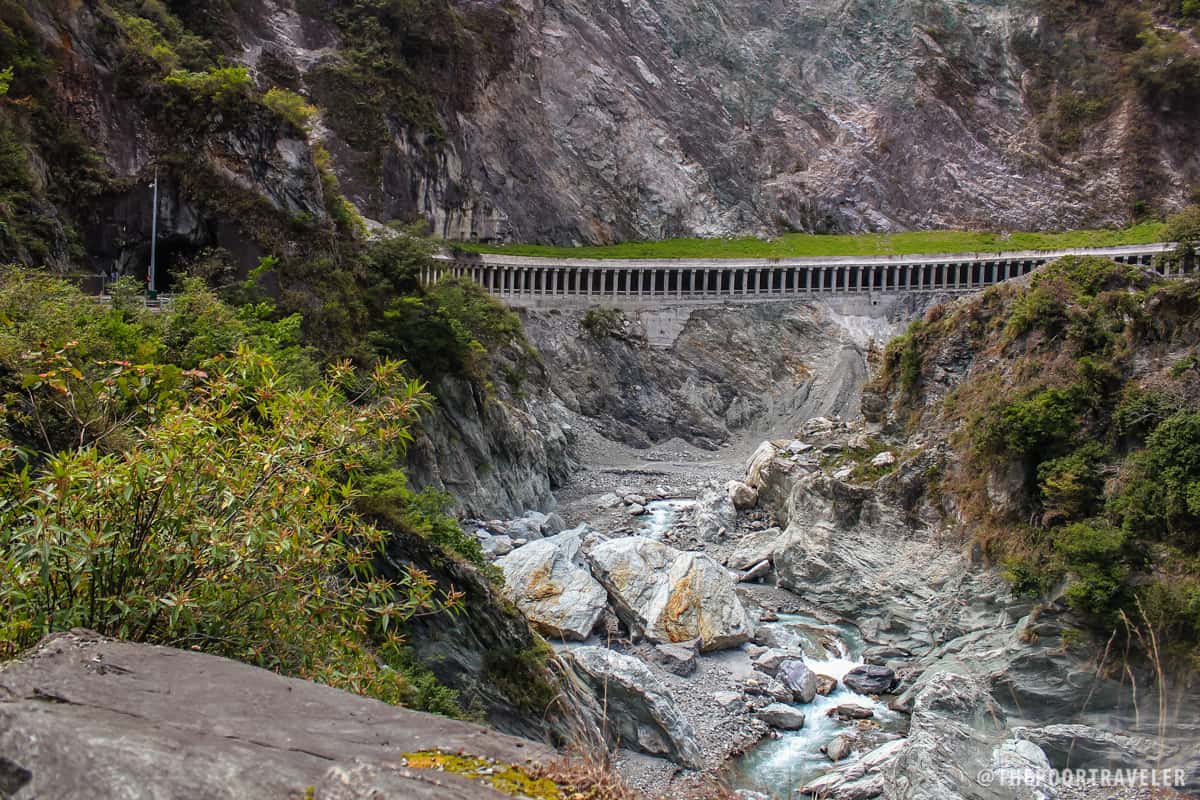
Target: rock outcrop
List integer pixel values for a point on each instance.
(87, 717)
(550, 582)
(639, 710)
(488, 652)
(670, 596)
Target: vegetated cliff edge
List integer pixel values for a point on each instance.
(1058, 428)
(579, 122)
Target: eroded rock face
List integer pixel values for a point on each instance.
(670, 596)
(83, 717)
(640, 711)
(550, 582)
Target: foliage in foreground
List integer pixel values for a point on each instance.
(163, 480)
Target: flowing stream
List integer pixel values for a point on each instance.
(780, 767)
(661, 515)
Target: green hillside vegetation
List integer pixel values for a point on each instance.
(1088, 384)
(203, 477)
(804, 245)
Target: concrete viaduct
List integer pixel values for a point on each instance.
(637, 283)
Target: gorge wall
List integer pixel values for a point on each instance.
(583, 122)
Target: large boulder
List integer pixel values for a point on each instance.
(639, 710)
(714, 516)
(741, 495)
(783, 717)
(870, 679)
(84, 717)
(755, 548)
(670, 596)
(549, 581)
(801, 680)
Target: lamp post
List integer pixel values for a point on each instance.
(151, 288)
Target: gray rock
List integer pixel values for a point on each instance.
(769, 660)
(799, 679)
(528, 528)
(636, 510)
(497, 546)
(850, 711)
(677, 658)
(714, 515)
(954, 728)
(826, 685)
(549, 581)
(759, 570)
(839, 748)
(634, 500)
(139, 721)
(641, 714)
(762, 685)
(870, 679)
(783, 717)
(554, 524)
(884, 459)
(881, 654)
(858, 780)
(1017, 761)
(754, 548)
(670, 596)
(609, 500)
(728, 700)
(1072, 746)
(741, 495)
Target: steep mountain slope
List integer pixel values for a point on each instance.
(586, 122)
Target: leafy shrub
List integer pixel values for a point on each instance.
(6, 77)
(1036, 309)
(222, 525)
(1140, 412)
(222, 86)
(147, 50)
(1034, 427)
(1096, 557)
(1173, 462)
(603, 323)
(1070, 486)
(1165, 68)
(290, 106)
(387, 497)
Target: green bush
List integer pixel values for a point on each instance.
(290, 106)
(1035, 309)
(1035, 427)
(1096, 556)
(1140, 412)
(603, 323)
(222, 524)
(222, 86)
(1070, 486)
(6, 77)
(387, 497)
(1165, 68)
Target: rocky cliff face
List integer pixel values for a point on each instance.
(584, 122)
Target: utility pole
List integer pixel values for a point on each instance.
(151, 289)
